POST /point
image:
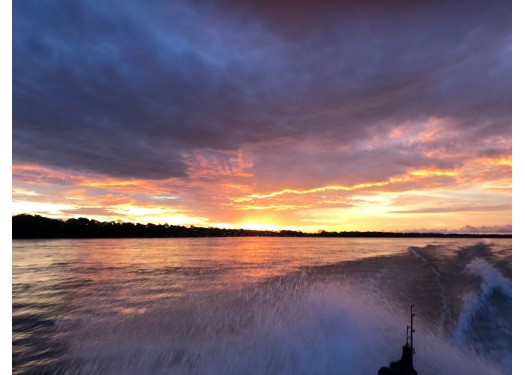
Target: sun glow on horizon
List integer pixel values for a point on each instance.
(262, 226)
(414, 197)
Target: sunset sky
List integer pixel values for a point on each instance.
(307, 115)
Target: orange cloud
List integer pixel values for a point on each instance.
(233, 202)
(419, 174)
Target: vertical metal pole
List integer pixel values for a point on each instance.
(412, 339)
(412, 328)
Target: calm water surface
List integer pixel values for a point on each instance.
(259, 305)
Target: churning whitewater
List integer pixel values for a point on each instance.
(260, 305)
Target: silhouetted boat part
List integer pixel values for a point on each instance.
(405, 366)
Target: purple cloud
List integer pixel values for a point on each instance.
(128, 88)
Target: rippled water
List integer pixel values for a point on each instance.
(260, 305)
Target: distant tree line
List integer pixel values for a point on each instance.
(34, 226)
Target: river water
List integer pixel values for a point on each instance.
(260, 305)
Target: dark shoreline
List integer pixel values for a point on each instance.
(39, 227)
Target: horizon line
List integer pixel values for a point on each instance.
(282, 232)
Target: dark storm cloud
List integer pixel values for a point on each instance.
(125, 88)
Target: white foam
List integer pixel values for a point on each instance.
(330, 328)
(492, 281)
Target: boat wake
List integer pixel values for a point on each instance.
(299, 327)
(485, 323)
